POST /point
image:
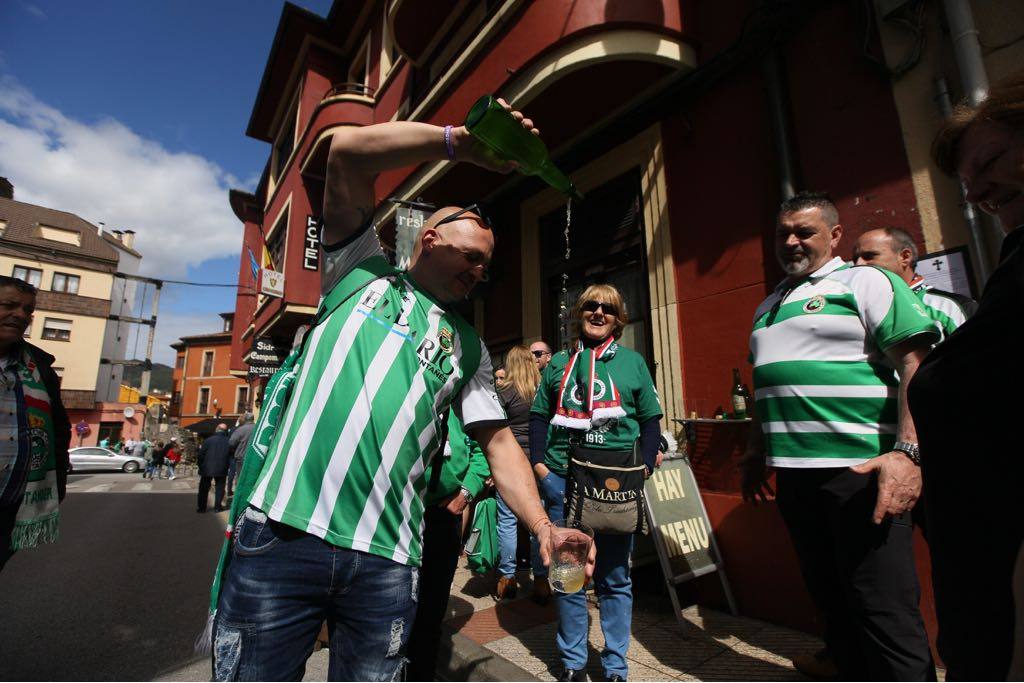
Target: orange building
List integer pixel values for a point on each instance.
(204, 388)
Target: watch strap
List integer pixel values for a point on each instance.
(911, 450)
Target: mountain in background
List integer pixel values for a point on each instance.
(160, 380)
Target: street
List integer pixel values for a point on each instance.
(123, 593)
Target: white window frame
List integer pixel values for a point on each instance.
(67, 280)
(359, 70)
(240, 409)
(212, 355)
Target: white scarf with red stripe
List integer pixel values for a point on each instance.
(587, 395)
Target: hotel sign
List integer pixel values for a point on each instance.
(311, 248)
(272, 283)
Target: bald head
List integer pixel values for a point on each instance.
(450, 258)
(889, 248)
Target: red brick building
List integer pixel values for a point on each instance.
(683, 123)
(204, 387)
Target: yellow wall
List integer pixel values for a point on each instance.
(80, 357)
(91, 283)
(938, 197)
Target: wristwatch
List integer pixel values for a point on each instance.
(466, 494)
(911, 450)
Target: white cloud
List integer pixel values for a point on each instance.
(34, 10)
(169, 328)
(176, 202)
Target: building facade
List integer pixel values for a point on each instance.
(204, 387)
(72, 263)
(684, 124)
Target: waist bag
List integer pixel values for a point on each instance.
(605, 490)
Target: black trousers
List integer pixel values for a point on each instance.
(860, 575)
(442, 542)
(976, 530)
(204, 492)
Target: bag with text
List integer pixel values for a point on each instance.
(605, 490)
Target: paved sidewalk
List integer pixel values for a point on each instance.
(515, 639)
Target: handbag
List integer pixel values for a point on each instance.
(604, 490)
(482, 545)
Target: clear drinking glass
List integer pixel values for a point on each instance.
(570, 546)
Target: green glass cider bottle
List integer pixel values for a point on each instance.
(489, 123)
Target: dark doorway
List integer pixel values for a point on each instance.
(606, 247)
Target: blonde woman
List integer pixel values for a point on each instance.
(516, 387)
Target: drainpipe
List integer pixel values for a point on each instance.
(971, 65)
(971, 216)
(967, 49)
(771, 69)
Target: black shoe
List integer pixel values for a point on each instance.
(573, 675)
(219, 509)
(615, 677)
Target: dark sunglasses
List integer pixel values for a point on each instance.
(540, 354)
(472, 208)
(591, 306)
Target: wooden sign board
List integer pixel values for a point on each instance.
(680, 528)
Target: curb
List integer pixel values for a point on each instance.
(462, 659)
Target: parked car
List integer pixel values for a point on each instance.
(92, 458)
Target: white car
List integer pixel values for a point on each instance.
(92, 458)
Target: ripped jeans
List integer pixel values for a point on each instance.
(283, 584)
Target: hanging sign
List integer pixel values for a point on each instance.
(311, 250)
(408, 221)
(265, 357)
(272, 283)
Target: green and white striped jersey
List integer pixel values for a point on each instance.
(347, 463)
(949, 311)
(825, 393)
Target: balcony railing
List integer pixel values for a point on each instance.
(349, 89)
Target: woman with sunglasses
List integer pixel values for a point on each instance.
(970, 455)
(625, 408)
(516, 389)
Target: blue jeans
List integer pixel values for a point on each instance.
(508, 538)
(552, 494)
(614, 589)
(283, 584)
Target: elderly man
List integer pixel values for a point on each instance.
(214, 457)
(334, 525)
(34, 429)
(541, 354)
(894, 250)
(831, 417)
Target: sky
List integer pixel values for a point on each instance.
(133, 114)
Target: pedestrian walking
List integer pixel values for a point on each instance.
(214, 456)
(333, 531)
(833, 348)
(970, 459)
(599, 396)
(516, 391)
(147, 453)
(239, 440)
(159, 458)
(172, 457)
(35, 431)
(455, 479)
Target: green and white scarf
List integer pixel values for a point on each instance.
(587, 395)
(38, 518)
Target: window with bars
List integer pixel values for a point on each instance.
(242, 399)
(65, 282)
(56, 329)
(33, 276)
(203, 406)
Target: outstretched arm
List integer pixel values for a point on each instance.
(358, 154)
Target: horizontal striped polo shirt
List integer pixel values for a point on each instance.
(365, 416)
(826, 394)
(948, 310)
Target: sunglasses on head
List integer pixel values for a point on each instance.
(472, 208)
(591, 306)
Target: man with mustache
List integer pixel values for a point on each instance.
(831, 418)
